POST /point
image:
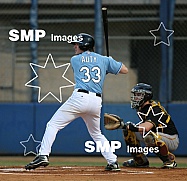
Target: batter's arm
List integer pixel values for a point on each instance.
(123, 70)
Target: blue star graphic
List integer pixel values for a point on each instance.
(30, 145)
(159, 115)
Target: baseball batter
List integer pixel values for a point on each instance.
(89, 70)
(157, 123)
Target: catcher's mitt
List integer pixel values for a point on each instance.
(112, 121)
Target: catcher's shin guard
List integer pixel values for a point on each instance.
(164, 154)
(139, 159)
(130, 138)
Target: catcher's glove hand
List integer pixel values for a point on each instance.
(112, 121)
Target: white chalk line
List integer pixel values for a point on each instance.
(14, 171)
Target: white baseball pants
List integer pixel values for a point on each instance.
(87, 106)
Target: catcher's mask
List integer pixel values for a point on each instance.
(140, 94)
(85, 41)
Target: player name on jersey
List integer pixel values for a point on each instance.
(88, 59)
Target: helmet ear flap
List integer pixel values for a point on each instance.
(87, 42)
(148, 97)
(82, 48)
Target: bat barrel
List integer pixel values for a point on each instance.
(105, 26)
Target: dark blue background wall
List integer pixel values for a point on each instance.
(18, 121)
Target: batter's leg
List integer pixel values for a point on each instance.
(60, 119)
(93, 126)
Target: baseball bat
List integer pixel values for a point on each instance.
(105, 26)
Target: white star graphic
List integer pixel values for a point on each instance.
(29, 144)
(51, 79)
(158, 114)
(167, 31)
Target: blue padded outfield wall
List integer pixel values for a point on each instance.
(19, 121)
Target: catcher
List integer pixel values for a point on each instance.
(155, 130)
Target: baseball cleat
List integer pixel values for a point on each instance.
(40, 160)
(132, 163)
(169, 164)
(112, 167)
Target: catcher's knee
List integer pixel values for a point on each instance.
(153, 140)
(150, 140)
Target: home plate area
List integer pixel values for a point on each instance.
(90, 173)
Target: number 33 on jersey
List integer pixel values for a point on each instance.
(90, 70)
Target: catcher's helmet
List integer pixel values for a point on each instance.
(85, 41)
(140, 94)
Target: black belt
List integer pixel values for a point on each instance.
(87, 92)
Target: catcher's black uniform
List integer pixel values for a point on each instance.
(158, 116)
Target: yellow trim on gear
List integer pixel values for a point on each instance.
(168, 119)
(163, 110)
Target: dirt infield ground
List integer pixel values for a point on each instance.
(90, 173)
